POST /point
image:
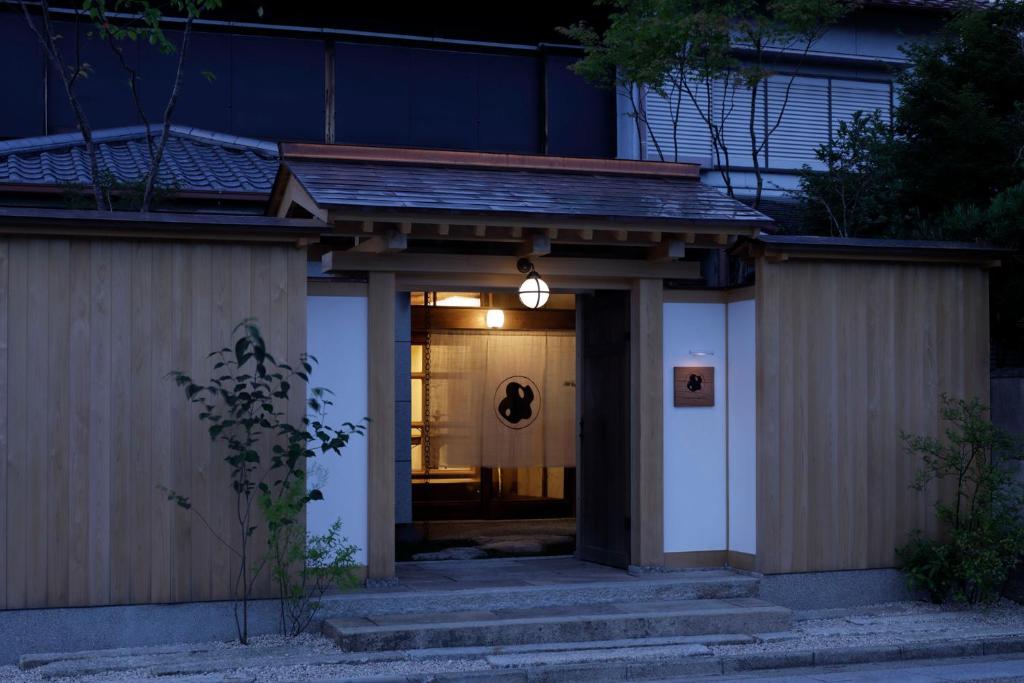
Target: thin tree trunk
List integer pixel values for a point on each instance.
(49, 44)
(147, 196)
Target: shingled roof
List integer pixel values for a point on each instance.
(194, 160)
(362, 180)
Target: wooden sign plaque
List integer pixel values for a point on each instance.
(693, 387)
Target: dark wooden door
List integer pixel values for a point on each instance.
(603, 467)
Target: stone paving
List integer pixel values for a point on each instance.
(888, 642)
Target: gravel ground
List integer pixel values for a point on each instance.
(890, 624)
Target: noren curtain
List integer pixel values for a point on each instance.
(502, 399)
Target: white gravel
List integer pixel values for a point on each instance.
(890, 624)
(896, 623)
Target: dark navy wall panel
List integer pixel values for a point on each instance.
(581, 118)
(21, 79)
(389, 95)
(203, 103)
(277, 88)
(103, 93)
(371, 100)
(511, 108)
(443, 88)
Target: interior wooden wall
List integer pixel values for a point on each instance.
(90, 425)
(848, 354)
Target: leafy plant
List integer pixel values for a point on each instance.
(714, 55)
(982, 538)
(243, 404)
(855, 192)
(114, 22)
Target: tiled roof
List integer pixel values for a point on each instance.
(365, 186)
(194, 160)
(936, 5)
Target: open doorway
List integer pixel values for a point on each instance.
(493, 427)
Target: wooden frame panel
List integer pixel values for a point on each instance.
(848, 355)
(88, 331)
(381, 433)
(647, 424)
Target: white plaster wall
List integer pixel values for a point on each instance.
(742, 427)
(695, 438)
(337, 336)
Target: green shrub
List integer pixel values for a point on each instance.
(981, 538)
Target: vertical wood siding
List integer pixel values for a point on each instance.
(849, 354)
(90, 425)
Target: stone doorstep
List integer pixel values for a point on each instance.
(617, 668)
(601, 622)
(687, 586)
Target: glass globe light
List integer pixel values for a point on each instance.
(534, 292)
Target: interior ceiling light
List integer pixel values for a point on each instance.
(495, 318)
(534, 292)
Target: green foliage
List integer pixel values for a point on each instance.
(144, 20)
(118, 195)
(684, 49)
(856, 191)
(244, 405)
(982, 537)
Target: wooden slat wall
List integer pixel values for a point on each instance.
(90, 425)
(848, 354)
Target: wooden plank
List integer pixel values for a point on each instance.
(36, 400)
(241, 308)
(78, 401)
(122, 448)
(58, 423)
(199, 442)
(179, 417)
(381, 433)
(260, 309)
(17, 492)
(4, 389)
(435, 264)
(219, 506)
(161, 525)
(99, 424)
(646, 418)
(141, 499)
(850, 353)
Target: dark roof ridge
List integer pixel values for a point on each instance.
(42, 143)
(418, 156)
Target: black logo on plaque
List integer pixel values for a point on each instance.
(517, 402)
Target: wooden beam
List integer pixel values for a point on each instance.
(448, 264)
(690, 237)
(667, 250)
(517, 231)
(480, 230)
(382, 244)
(405, 228)
(380, 551)
(443, 229)
(366, 226)
(722, 239)
(552, 233)
(655, 236)
(621, 235)
(295, 193)
(535, 245)
(646, 424)
(586, 234)
(452, 318)
(746, 228)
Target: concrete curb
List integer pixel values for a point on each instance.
(701, 665)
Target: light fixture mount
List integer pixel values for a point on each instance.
(524, 265)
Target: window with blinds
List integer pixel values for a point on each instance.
(810, 108)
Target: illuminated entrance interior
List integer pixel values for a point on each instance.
(493, 405)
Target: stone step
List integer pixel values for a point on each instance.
(577, 623)
(487, 594)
